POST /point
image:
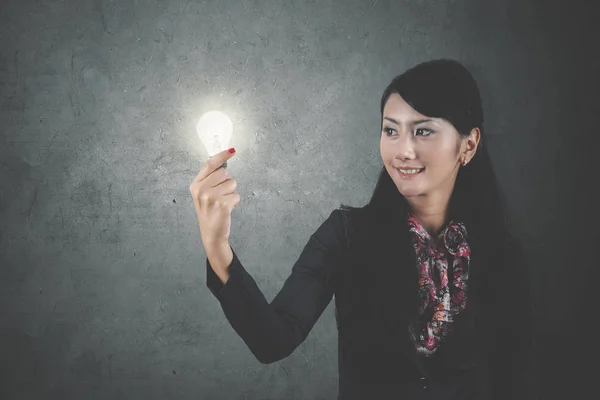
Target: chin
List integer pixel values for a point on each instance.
(410, 189)
(410, 192)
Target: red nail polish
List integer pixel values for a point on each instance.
(232, 150)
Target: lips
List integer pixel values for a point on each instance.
(410, 171)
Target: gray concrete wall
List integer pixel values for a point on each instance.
(102, 271)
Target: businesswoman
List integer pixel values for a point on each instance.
(432, 296)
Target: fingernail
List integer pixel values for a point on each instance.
(232, 150)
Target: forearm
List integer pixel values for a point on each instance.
(273, 330)
(269, 332)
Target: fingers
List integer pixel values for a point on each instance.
(213, 182)
(227, 202)
(212, 164)
(216, 178)
(218, 184)
(225, 188)
(231, 200)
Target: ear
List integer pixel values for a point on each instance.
(470, 145)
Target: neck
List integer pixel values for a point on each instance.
(431, 214)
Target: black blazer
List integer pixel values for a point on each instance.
(491, 355)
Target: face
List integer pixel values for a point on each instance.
(431, 147)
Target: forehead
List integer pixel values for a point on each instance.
(396, 106)
(400, 111)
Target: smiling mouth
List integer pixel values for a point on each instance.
(413, 171)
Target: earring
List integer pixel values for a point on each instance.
(464, 163)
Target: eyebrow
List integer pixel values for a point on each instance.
(420, 121)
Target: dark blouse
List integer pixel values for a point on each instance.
(490, 355)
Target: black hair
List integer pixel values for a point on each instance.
(440, 89)
(444, 88)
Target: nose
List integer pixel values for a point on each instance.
(406, 150)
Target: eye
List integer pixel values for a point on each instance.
(428, 132)
(388, 130)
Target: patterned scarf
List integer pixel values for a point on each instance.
(440, 301)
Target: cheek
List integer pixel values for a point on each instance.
(386, 154)
(440, 164)
(441, 154)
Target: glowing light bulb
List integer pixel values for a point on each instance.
(214, 129)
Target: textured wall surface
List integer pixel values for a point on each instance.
(102, 271)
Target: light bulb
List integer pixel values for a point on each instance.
(214, 129)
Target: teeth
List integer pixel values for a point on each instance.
(410, 171)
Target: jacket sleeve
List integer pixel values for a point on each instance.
(517, 333)
(272, 331)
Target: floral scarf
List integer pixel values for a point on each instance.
(441, 301)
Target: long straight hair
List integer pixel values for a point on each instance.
(445, 89)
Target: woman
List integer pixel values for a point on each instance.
(431, 291)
